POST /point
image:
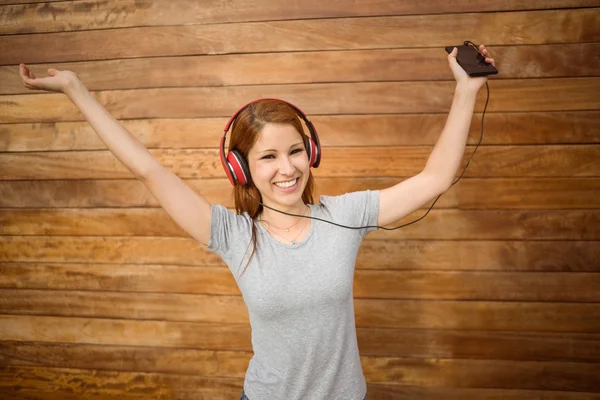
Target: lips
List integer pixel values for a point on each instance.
(286, 184)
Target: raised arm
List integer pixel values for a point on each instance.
(398, 201)
(189, 210)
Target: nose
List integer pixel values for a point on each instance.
(286, 167)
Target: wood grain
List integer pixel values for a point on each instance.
(500, 28)
(12, 2)
(162, 386)
(375, 391)
(576, 127)
(429, 255)
(13, 394)
(482, 374)
(122, 384)
(400, 392)
(85, 15)
(187, 361)
(539, 61)
(423, 285)
(488, 162)
(422, 372)
(439, 224)
(524, 95)
(414, 314)
(467, 194)
(494, 295)
(160, 337)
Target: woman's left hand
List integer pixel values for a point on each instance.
(462, 78)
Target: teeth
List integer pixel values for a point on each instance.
(286, 184)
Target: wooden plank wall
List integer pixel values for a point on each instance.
(494, 295)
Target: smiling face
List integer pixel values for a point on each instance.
(279, 166)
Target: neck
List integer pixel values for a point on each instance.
(281, 220)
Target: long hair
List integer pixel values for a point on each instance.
(244, 134)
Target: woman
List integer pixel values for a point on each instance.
(297, 272)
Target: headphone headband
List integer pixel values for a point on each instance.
(234, 116)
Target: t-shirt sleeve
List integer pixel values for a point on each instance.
(354, 209)
(229, 232)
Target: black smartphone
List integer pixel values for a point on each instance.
(472, 61)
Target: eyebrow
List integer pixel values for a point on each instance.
(267, 150)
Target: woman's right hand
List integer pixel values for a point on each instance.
(56, 81)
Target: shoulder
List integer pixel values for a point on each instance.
(350, 205)
(224, 214)
(349, 199)
(227, 227)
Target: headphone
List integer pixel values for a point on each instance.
(235, 164)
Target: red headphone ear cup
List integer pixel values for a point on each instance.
(237, 162)
(311, 151)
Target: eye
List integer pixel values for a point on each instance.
(298, 150)
(268, 156)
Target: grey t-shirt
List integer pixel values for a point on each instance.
(300, 300)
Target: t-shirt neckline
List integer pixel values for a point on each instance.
(272, 238)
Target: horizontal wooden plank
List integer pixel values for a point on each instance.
(101, 331)
(177, 251)
(521, 95)
(192, 308)
(501, 28)
(507, 225)
(123, 277)
(374, 313)
(13, 394)
(400, 392)
(234, 363)
(479, 255)
(539, 61)
(126, 358)
(163, 386)
(375, 391)
(122, 384)
(465, 225)
(533, 346)
(406, 371)
(350, 162)
(438, 285)
(535, 193)
(11, 2)
(575, 127)
(483, 374)
(61, 17)
(468, 193)
(417, 343)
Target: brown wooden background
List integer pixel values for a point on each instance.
(494, 295)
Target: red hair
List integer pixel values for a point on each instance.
(244, 134)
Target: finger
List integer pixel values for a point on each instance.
(24, 70)
(24, 73)
(52, 71)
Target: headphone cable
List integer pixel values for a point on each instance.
(409, 223)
